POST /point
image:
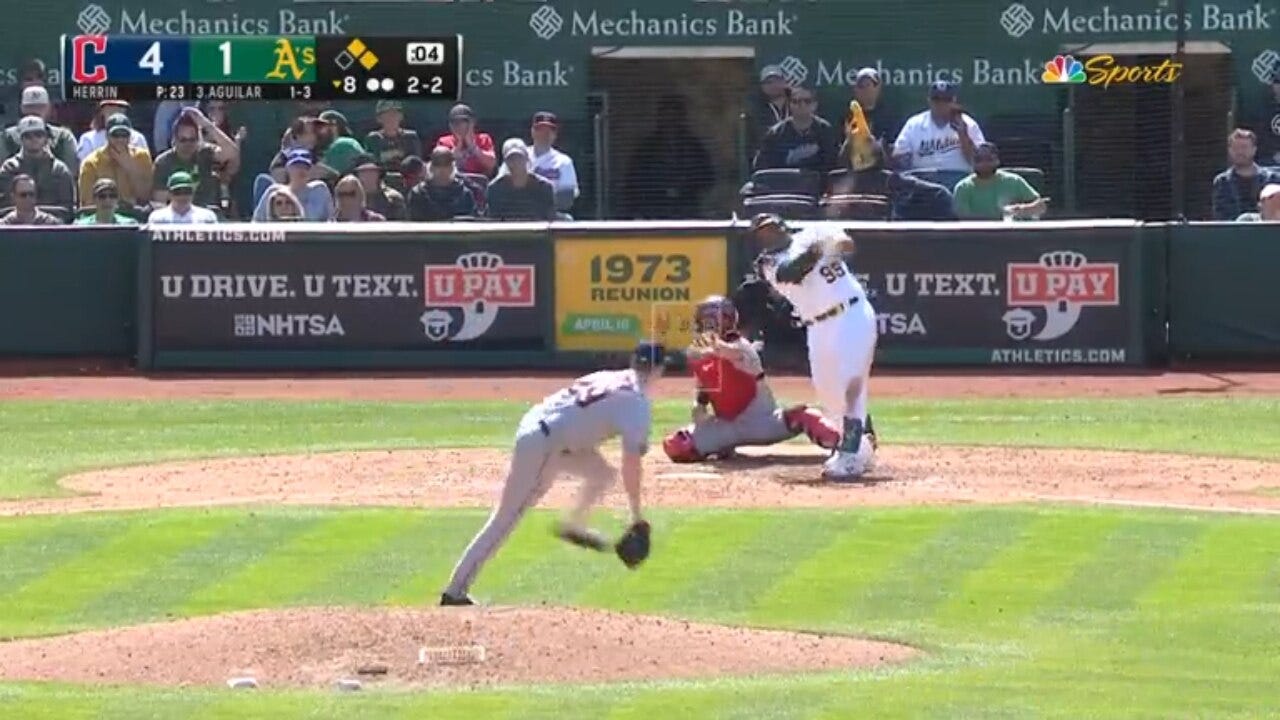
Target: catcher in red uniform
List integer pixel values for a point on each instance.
(734, 405)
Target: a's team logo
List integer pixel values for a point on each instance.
(793, 70)
(1266, 66)
(93, 20)
(1063, 69)
(1061, 284)
(476, 287)
(545, 22)
(1017, 20)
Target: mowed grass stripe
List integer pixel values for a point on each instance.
(730, 589)
(428, 554)
(680, 557)
(671, 702)
(393, 554)
(910, 590)
(58, 598)
(291, 569)
(818, 591)
(1136, 553)
(1013, 583)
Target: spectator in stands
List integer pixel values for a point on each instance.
(518, 194)
(943, 137)
(441, 195)
(24, 210)
(1236, 189)
(550, 163)
(62, 143)
(182, 209)
(378, 196)
(303, 134)
(313, 196)
(106, 201)
(413, 170)
(167, 114)
(472, 150)
(910, 198)
(769, 106)
(51, 176)
(281, 205)
(96, 136)
(391, 143)
(1268, 206)
(197, 158)
(338, 145)
(804, 140)
(670, 170)
(866, 90)
(120, 160)
(351, 201)
(994, 194)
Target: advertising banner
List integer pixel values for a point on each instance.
(612, 291)
(1061, 296)
(334, 291)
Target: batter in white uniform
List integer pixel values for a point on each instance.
(563, 433)
(809, 270)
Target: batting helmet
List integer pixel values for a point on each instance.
(649, 355)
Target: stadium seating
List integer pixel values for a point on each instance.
(785, 181)
(855, 207)
(791, 207)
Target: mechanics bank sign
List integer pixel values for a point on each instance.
(1019, 19)
(93, 19)
(548, 23)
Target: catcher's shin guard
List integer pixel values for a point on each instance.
(680, 448)
(804, 419)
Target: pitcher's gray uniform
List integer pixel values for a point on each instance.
(563, 433)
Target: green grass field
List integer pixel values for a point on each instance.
(1024, 611)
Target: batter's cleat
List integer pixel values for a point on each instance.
(849, 467)
(464, 600)
(586, 538)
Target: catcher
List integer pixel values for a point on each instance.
(734, 406)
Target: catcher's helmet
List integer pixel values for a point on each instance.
(715, 314)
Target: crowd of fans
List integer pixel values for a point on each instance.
(112, 174)
(935, 164)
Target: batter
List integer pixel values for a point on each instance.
(563, 433)
(731, 383)
(809, 270)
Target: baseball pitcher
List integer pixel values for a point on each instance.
(563, 433)
(734, 405)
(808, 269)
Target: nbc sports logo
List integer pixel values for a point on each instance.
(793, 70)
(545, 22)
(1063, 69)
(93, 20)
(1017, 20)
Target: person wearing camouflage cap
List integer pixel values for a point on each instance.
(392, 142)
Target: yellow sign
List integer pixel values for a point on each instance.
(611, 292)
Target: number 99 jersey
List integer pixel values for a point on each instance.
(828, 284)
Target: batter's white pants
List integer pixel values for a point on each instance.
(841, 351)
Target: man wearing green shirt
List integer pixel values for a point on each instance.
(106, 198)
(994, 194)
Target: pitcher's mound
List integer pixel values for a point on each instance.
(317, 647)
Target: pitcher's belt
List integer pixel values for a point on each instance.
(831, 312)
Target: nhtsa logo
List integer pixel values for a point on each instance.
(1017, 20)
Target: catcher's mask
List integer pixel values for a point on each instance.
(715, 314)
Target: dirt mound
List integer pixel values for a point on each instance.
(781, 476)
(318, 647)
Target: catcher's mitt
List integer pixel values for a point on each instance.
(633, 546)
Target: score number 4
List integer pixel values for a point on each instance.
(621, 269)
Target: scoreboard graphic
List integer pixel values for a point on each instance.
(136, 68)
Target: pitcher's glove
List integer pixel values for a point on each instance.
(633, 546)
